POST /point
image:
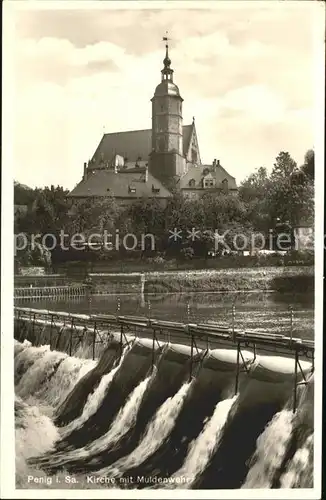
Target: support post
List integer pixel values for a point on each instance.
(71, 335)
(153, 349)
(291, 323)
(51, 328)
(94, 340)
(296, 358)
(233, 322)
(121, 340)
(33, 328)
(238, 370)
(191, 357)
(142, 289)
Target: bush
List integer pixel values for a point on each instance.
(187, 253)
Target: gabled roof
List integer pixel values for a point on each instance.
(197, 174)
(187, 133)
(132, 145)
(109, 183)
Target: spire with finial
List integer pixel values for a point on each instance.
(167, 72)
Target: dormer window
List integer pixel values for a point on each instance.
(225, 185)
(192, 183)
(208, 183)
(154, 189)
(132, 189)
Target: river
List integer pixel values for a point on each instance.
(255, 311)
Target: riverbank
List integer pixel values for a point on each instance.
(281, 279)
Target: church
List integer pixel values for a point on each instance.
(155, 162)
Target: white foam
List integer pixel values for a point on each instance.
(271, 447)
(202, 448)
(156, 432)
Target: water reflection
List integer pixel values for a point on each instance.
(265, 311)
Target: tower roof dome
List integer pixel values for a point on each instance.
(166, 87)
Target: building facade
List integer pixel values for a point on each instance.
(150, 163)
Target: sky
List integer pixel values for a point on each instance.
(245, 72)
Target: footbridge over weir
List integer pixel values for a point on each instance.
(67, 331)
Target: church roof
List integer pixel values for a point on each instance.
(133, 144)
(130, 183)
(167, 88)
(193, 179)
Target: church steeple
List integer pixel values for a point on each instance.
(167, 157)
(167, 72)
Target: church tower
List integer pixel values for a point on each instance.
(167, 161)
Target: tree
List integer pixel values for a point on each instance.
(289, 197)
(93, 215)
(308, 167)
(254, 186)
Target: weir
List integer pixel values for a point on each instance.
(95, 329)
(40, 292)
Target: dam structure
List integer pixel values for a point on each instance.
(134, 402)
(67, 331)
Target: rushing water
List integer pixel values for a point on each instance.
(265, 311)
(119, 422)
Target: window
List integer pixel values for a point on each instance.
(132, 189)
(192, 183)
(225, 184)
(208, 183)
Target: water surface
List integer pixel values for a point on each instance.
(255, 311)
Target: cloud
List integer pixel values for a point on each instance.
(248, 83)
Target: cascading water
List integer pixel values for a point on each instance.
(94, 400)
(35, 434)
(157, 431)
(271, 448)
(39, 372)
(202, 448)
(126, 444)
(122, 423)
(26, 358)
(67, 375)
(299, 471)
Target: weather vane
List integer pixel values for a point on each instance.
(166, 39)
